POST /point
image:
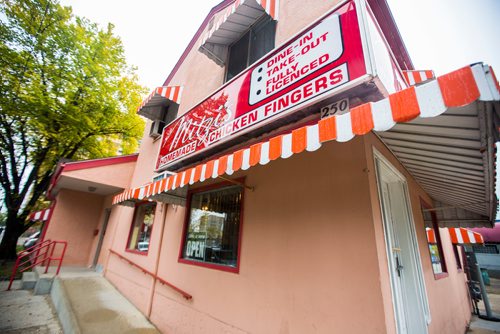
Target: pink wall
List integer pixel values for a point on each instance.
(117, 175)
(448, 296)
(297, 269)
(76, 216)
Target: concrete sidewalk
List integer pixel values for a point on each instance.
(22, 312)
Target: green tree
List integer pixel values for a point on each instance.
(66, 92)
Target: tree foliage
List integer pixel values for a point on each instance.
(66, 92)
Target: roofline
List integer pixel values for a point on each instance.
(379, 7)
(213, 11)
(85, 164)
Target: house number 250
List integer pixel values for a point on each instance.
(338, 107)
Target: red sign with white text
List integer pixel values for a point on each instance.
(324, 57)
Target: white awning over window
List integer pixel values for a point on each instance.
(160, 98)
(236, 20)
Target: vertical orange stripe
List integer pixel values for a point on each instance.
(221, 170)
(453, 235)
(209, 169)
(407, 77)
(177, 90)
(459, 87)
(404, 105)
(479, 237)
(162, 185)
(197, 173)
(362, 119)
(299, 139)
(275, 147)
(255, 154)
(327, 129)
(136, 193)
(263, 3)
(465, 235)
(237, 160)
(417, 77)
(272, 9)
(429, 74)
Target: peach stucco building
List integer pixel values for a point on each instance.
(296, 175)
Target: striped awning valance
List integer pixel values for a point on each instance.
(431, 99)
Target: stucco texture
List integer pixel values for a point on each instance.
(75, 218)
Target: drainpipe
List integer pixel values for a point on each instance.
(155, 270)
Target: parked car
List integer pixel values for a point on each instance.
(143, 246)
(31, 240)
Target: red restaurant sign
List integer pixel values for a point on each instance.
(326, 56)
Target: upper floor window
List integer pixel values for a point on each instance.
(254, 44)
(140, 231)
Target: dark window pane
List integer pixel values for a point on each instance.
(262, 38)
(141, 227)
(238, 57)
(257, 42)
(214, 223)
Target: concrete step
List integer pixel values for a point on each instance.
(28, 280)
(90, 304)
(43, 284)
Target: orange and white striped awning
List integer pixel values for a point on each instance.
(458, 235)
(431, 236)
(230, 26)
(42, 215)
(456, 89)
(159, 96)
(417, 77)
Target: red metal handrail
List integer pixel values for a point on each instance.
(161, 280)
(38, 254)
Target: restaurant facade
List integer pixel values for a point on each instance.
(296, 175)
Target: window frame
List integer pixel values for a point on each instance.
(249, 46)
(136, 207)
(209, 265)
(439, 243)
(458, 260)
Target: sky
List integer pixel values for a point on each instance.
(441, 35)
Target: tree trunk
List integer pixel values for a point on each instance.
(13, 230)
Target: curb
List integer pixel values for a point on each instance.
(63, 308)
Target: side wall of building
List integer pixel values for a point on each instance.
(447, 296)
(75, 218)
(308, 255)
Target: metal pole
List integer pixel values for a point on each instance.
(486, 301)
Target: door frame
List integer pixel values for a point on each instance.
(380, 160)
(102, 232)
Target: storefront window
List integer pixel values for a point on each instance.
(213, 227)
(435, 247)
(140, 232)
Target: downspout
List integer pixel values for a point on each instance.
(157, 263)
